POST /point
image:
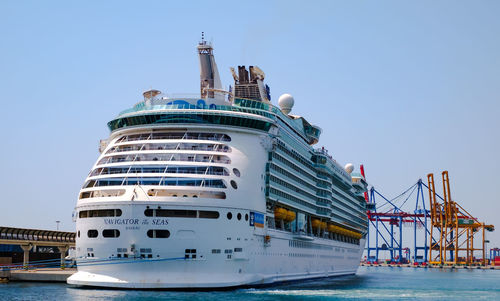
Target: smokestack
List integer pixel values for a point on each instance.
(250, 84)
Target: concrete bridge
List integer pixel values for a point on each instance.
(28, 238)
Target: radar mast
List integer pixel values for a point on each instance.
(209, 75)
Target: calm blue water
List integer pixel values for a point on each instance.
(371, 283)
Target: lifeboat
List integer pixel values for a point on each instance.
(280, 213)
(290, 216)
(343, 231)
(316, 223)
(283, 214)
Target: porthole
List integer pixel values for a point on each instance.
(233, 184)
(239, 216)
(236, 172)
(78, 233)
(246, 216)
(92, 233)
(229, 215)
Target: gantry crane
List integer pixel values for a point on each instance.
(455, 227)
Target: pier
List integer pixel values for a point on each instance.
(38, 275)
(54, 270)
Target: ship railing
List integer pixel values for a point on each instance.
(174, 181)
(167, 146)
(141, 170)
(135, 158)
(173, 136)
(195, 158)
(211, 160)
(171, 157)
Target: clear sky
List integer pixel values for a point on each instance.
(404, 87)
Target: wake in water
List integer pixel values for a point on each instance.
(381, 294)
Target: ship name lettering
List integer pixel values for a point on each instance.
(121, 221)
(160, 222)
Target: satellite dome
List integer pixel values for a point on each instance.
(349, 168)
(285, 102)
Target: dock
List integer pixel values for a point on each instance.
(39, 269)
(39, 275)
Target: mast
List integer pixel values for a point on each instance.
(209, 75)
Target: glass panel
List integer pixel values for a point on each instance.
(110, 233)
(92, 233)
(200, 117)
(208, 214)
(176, 213)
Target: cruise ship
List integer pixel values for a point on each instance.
(220, 190)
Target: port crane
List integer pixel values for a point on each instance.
(450, 233)
(454, 227)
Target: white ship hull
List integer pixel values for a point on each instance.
(211, 193)
(285, 257)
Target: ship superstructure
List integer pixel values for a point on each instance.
(218, 191)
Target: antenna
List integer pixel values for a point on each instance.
(203, 42)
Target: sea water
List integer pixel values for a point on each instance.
(370, 283)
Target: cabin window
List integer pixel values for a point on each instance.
(190, 254)
(181, 213)
(176, 136)
(100, 213)
(92, 233)
(208, 214)
(161, 181)
(176, 213)
(111, 233)
(156, 233)
(102, 193)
